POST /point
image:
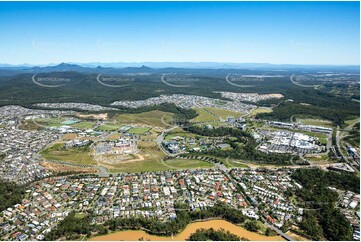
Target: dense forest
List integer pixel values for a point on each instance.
(10, 194)
(83, 87)
(312, 102)
(243, 146)
(315, 177)
(181, 115)
(214, 235)
(72, 227)
(337, 115)
(354, 136)
(324, 219)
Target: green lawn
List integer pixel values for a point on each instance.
(83, 125)
(179, 132)
(80, 155)
(109, 127)
(218, 124)
(256, 111)
(318, 159)
(187, 164)
(351, 121)
(231, 163)
(140, 130)
(153, 118)
(152, 162)
(140, 166)
(51, 122)
(222, 113)
(80, 215)
(317, 122)
(204, 116)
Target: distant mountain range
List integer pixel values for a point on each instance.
(196, 65)
(165, 67)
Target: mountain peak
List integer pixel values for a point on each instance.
(143, 67)
(63, 64)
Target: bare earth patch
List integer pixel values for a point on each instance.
(276, 95)
(61, 168)
(102, 116)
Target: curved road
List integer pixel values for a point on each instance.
(301, 85)
(343, 134)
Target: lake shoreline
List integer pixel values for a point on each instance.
(134, 235)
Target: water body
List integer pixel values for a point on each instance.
(191, 228)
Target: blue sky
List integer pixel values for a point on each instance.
(243, 32)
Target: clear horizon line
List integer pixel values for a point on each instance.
(176, 62)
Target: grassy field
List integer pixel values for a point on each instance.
(255, 124)
(256, 111)
(204, 116)
(139, 166)
(83, 125)
(354, 136)
(218, 124)
(317, 122)
(79, 155)
(56, 122)
(153, 118)
(223, 114)
(113, 137)
(187, 164)
(56, 167)
(179, 132)
(351, 121)
(318, 159)
(51, 122)
(140, 130)
(109, 127)
(69, 136)
(231, 163)
(146, 144)
(152, 162)
(80, 215)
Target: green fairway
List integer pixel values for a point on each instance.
(79, 155)
(187, 164)
(140, 130)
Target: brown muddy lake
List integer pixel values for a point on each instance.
(191, 228)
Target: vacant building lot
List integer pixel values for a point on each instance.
(78, 155)
(152, 118)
